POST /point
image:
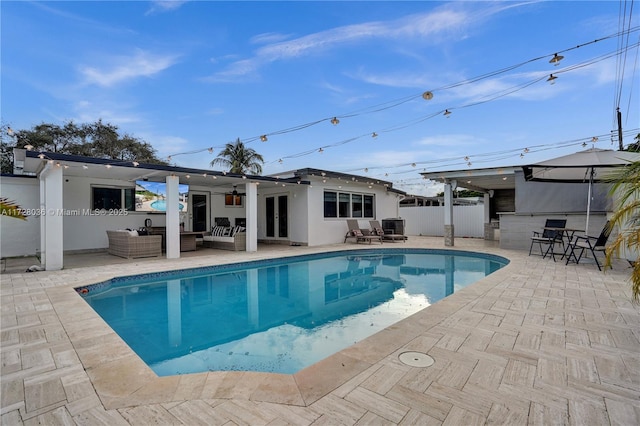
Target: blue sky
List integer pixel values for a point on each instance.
(187, 76)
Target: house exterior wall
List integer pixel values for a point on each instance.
(20, 237)
(332, 230)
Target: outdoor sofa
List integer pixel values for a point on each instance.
(125, 244)
(226, 238)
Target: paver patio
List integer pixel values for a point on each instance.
(537, 342)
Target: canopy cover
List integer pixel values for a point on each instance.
(577, 167)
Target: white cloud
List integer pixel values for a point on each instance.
(423, 27)
(125, 68)
(165, 6)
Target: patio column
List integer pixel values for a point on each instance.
(449, 187)
(51, 230)
(172, 233)
(251, 211)
(488, 229)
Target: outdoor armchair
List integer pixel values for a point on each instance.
(592, 244)
(551, 235)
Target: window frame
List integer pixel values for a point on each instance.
(125, 203)
(332, 208)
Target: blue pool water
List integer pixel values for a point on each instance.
(278, 315)
(161, 205)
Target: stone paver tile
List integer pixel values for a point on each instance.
(291, 414)
(478, 340)
(519, 373)
(149, 414)
(279, 388)
(243, 413)
(458, 416)
(542, 415)
(428, 404)
(621, 413)
(469, 401)
(371, 419)
(11, 418)
(584, 413)
(59, 416)
(552, 340)
(83, 404)
(190, 387)
(583, 369)
(341, 410)
(11, 361)
(11, 392)
(552, 371)
(613, 370)
(385, 407)
(625, 339)
(416, 417)
(197, 413)
(502, 341)
(508, 415)
(42, 394)
(98, 416)
(383, 379)
(487, 374)
(527, 341)
(37, 358)
(456, 374)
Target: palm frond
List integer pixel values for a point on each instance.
(11, 209)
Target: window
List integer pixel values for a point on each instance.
(330, 204)
(344, 205)
(233, 200)
(348, 205)
(103, 198)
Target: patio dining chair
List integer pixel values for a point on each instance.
(551, 234)
(592, 244)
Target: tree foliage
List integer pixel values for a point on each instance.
(239, 159)
(99, 140)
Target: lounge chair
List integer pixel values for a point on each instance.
(360, 236)
(377, 229)
(585, 242)
(551, 234)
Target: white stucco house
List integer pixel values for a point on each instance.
(71, 201)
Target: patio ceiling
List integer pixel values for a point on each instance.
(481, 180)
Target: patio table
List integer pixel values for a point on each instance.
(565, 233)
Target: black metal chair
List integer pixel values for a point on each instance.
(551, 235)
(593, 244)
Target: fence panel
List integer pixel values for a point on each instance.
(429, 221)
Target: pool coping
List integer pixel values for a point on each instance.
(121, 379)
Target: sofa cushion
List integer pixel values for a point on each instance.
(217, 231)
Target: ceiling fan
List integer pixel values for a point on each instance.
(235, 191)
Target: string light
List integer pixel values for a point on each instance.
(552, 79)
(210, 150)
(335, 121)
(556, 59)
(263, 138)
(447, 113)
(374, 135)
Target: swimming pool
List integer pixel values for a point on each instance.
(277, 315)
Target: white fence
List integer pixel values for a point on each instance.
(428, 221)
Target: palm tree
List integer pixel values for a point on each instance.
(239, 159)
(626, 187)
